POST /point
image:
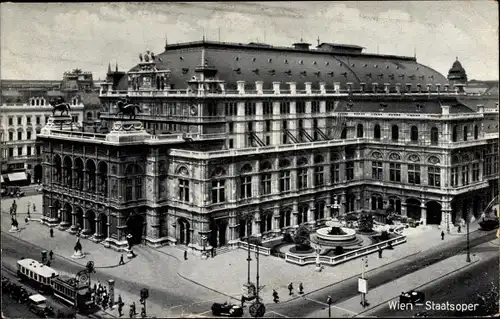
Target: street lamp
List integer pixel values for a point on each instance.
(329, 302)
(468, 245)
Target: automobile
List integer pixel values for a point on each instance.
(37, 304)
(412, 296)
(226, 309)
(421, 314)
(489, 223)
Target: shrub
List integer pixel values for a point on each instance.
(384, 235)
(301, 238)
(339, 250)
(366, 222)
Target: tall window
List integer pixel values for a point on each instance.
(268, 126)
(377, 171)
(300, 107)
(315, 107)
(11, 120)
(414, 133)
(19, 136)
(476, 132)
(246, 187)
(343, 135)
(37, 120)
(434, 136)
(466, 131)
(285, 108)
(454, 177)
(249, 108)
(319, 175)
(434, 176)
(454, 134)
(395, 172)
(335, 173)
(302, 178)
(475, 172)
(315, 129)
(11, 136)
(265, 184)
(377, 202)
(376, 132)
(129, 189)
(285, 181)
(395, 132)
(413, 174)
(19, 120)
(28, 120)
(218, 191)
(349, 171)
(359, 130)
(184, 190)
(284, 127)
(138, 187)
(465, 174)
(267, 108)
(488, 166)
(19, 151)
(301, 130)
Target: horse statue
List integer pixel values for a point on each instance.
(127, 109)
(60, 105)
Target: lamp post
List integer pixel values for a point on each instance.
(468, 244)
(249, 259)
(329, 302)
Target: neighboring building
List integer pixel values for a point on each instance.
(24, 108)
(236, 140)
(457, 75)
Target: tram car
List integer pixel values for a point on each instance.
(69, 291)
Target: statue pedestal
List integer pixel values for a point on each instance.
(130, 254)
(127, 131)
(78, 255)
(14, 229)
(204, 255)
(59, 122)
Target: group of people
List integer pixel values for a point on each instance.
(100, 295)
(276, 297)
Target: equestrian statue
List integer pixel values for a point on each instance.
(126, 108)
(59, 105)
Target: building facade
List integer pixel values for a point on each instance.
(241, 140)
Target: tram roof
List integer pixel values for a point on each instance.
(38, 268)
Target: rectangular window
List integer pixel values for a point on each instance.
(267, 108)
(413, 174)
(300, 107)
(284, 181)
(268, 140)
(19, 136)
(129, 189)
(434, 175)
(302, 178)
(249, 108)
(230, 127)
(285, 108)
(11, 136)
(330, 105)
(11, 152)
(138, 187)
(250, 126)
(335, 173)
(212, 109)
(465, 175)
(184, 190)
(454, 177)
(315, 107)
(265, 184)
(349, 171)
(28, 150)
(19, 151)
(319, 176)
(11, 121)
(28, 135)
(38, 150)
(28, 120)
(268, 126)
(246, 187)
(395, 172)
(231, 143)
(38, 120)
(218, 191)
(475, 172)
(19, 120)
(487, 166)
(377, 171)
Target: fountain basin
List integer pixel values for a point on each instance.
(322, 233)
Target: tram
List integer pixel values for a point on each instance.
(36, 274)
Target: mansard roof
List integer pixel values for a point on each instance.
(250, 62)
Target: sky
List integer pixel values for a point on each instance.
(43, 40)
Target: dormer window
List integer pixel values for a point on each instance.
(330, 74)
(288, 72)
(386, 66)
(181, 57)
(376, 65)
(344, 74)
(236, 58)
(286, 61)
(365, 65)
(185, 70)
(383, 105)
(327, 63)
(397, 67)
(317, 73)
(303, 73)
(416, 69)
(256, 71)
(270, 60)
(301, 62)
(314, 62)
(352, 64)
(341, 64)
(253, 59)
(420, 107)
(238, 71)
(272, 72)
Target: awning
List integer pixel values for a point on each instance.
(19, 176)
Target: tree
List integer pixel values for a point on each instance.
(301, 238)
(365, 222)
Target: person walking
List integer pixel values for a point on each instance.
(26, 220)
(185, 255)
(301, 289)
(48, 263)
(276, 298)
(290, 289)
(51, 232)
(120, 308)
(459, 228)
(379, 252)
(34, 207)
(442, 235)
(121, 260)
(133, 307)
(51, 254)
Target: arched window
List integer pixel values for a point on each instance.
(476, 132)
(454, 135)
(466, 130)
(359, 131)
(434, 136)
(376, 132)
(395, 132)
(89, 116)
(414, 133)
(218, 186)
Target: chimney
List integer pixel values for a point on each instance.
(293, 87)
(241, 87)
(362, 87)
(336, 87)
(276, 87)
(322, 88)
(375, 87)
(258, 86)
(446, 87)
(445, 110)
(386, 88)
(398, 87)
(480, 108)
(349, 87)
(308, 88)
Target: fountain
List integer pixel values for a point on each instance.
(335, 235)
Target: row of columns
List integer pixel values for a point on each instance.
(93, 184)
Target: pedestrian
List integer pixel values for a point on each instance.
(212, 251)
(276, 298)
(48, 263)
(133, 308)
(442, 235)
(242, 301)
(379, 252)
(51, 254)
(290, 288)
(120, 308)
(121, 260)
(34, 207)
(459, 228)
(301, 289)
(120, 301)
(51, 232)
(26, 220)
(185, 255)
(389, 245)
(95, 288)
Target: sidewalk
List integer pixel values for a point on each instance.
(382, 294)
